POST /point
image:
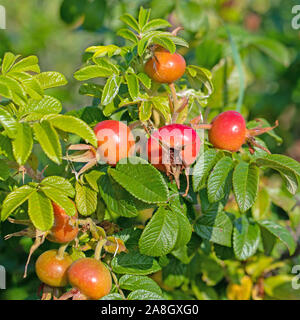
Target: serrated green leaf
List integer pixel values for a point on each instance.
(40, 211)
(133, 282)
(149, 185)
(92, 71)
(142, 294)
(29, 63)
(60, 184)
(14, 199)
(116, 198)
(203, 166)
(48, 138)
(4, 169)
(134, 263)
(215, 227)
(145, 110)
(217, 179)
(8, 122)
(130, 21)
(112, 296)
(8, 61)
(145, 80)
(92, 178)
(133, 85)
(46, 105)
(156, 24)
(203, 75)
(51, 79)
(127, 34)
(110, 89)
(17, 92)
(144, 15)
(246, 237)
(23, 142)
(245, 184)
(73, 125)
(165, 42)
(281, 233)
(85, 199)
(60, 198)
(160, 234)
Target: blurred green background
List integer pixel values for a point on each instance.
(58, 31)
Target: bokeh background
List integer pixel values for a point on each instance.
(58, 31)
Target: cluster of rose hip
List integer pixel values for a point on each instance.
(171, 149)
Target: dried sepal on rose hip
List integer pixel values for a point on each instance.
(172, 149)
(228, 131)
(115, 142)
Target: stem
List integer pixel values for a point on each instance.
(175, 102)
(61, 251)
(98, 249)
(117, 284)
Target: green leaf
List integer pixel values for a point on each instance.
(27, 64)
(8, 61)
(133, 85)
(144, 15)
(8, 122)
(130, 21)
(4, 169)
(110, 89)
(245, 184)
(261, 207)
(60, 198)
(287, 167)
(203, 167)
(14, 199)
(134, 263)
(51, 79)
(73, 125)
(149, 185)
(145, 110)
(145, 80)
(160, 234)
(133, 282)
(61, 184)
(6, 147)
(48, 138)
(40, 211)
(246, 237)
(127, 34)
(86, 199)
(23, 142)
(156, 24)
(116, 198)
(217, 179)
(203, 75)
(18, 93)
(215, 227)
(165, 42)
(281, 233)
(46, 105)
(112, 296)
(92, 178)
(142, 294)
(92, 71)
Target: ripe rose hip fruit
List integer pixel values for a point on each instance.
(91, 277)
(51, 269)
(228, 131)
(64, 228)
(165, 67)
(115, 141)
(174, 144)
